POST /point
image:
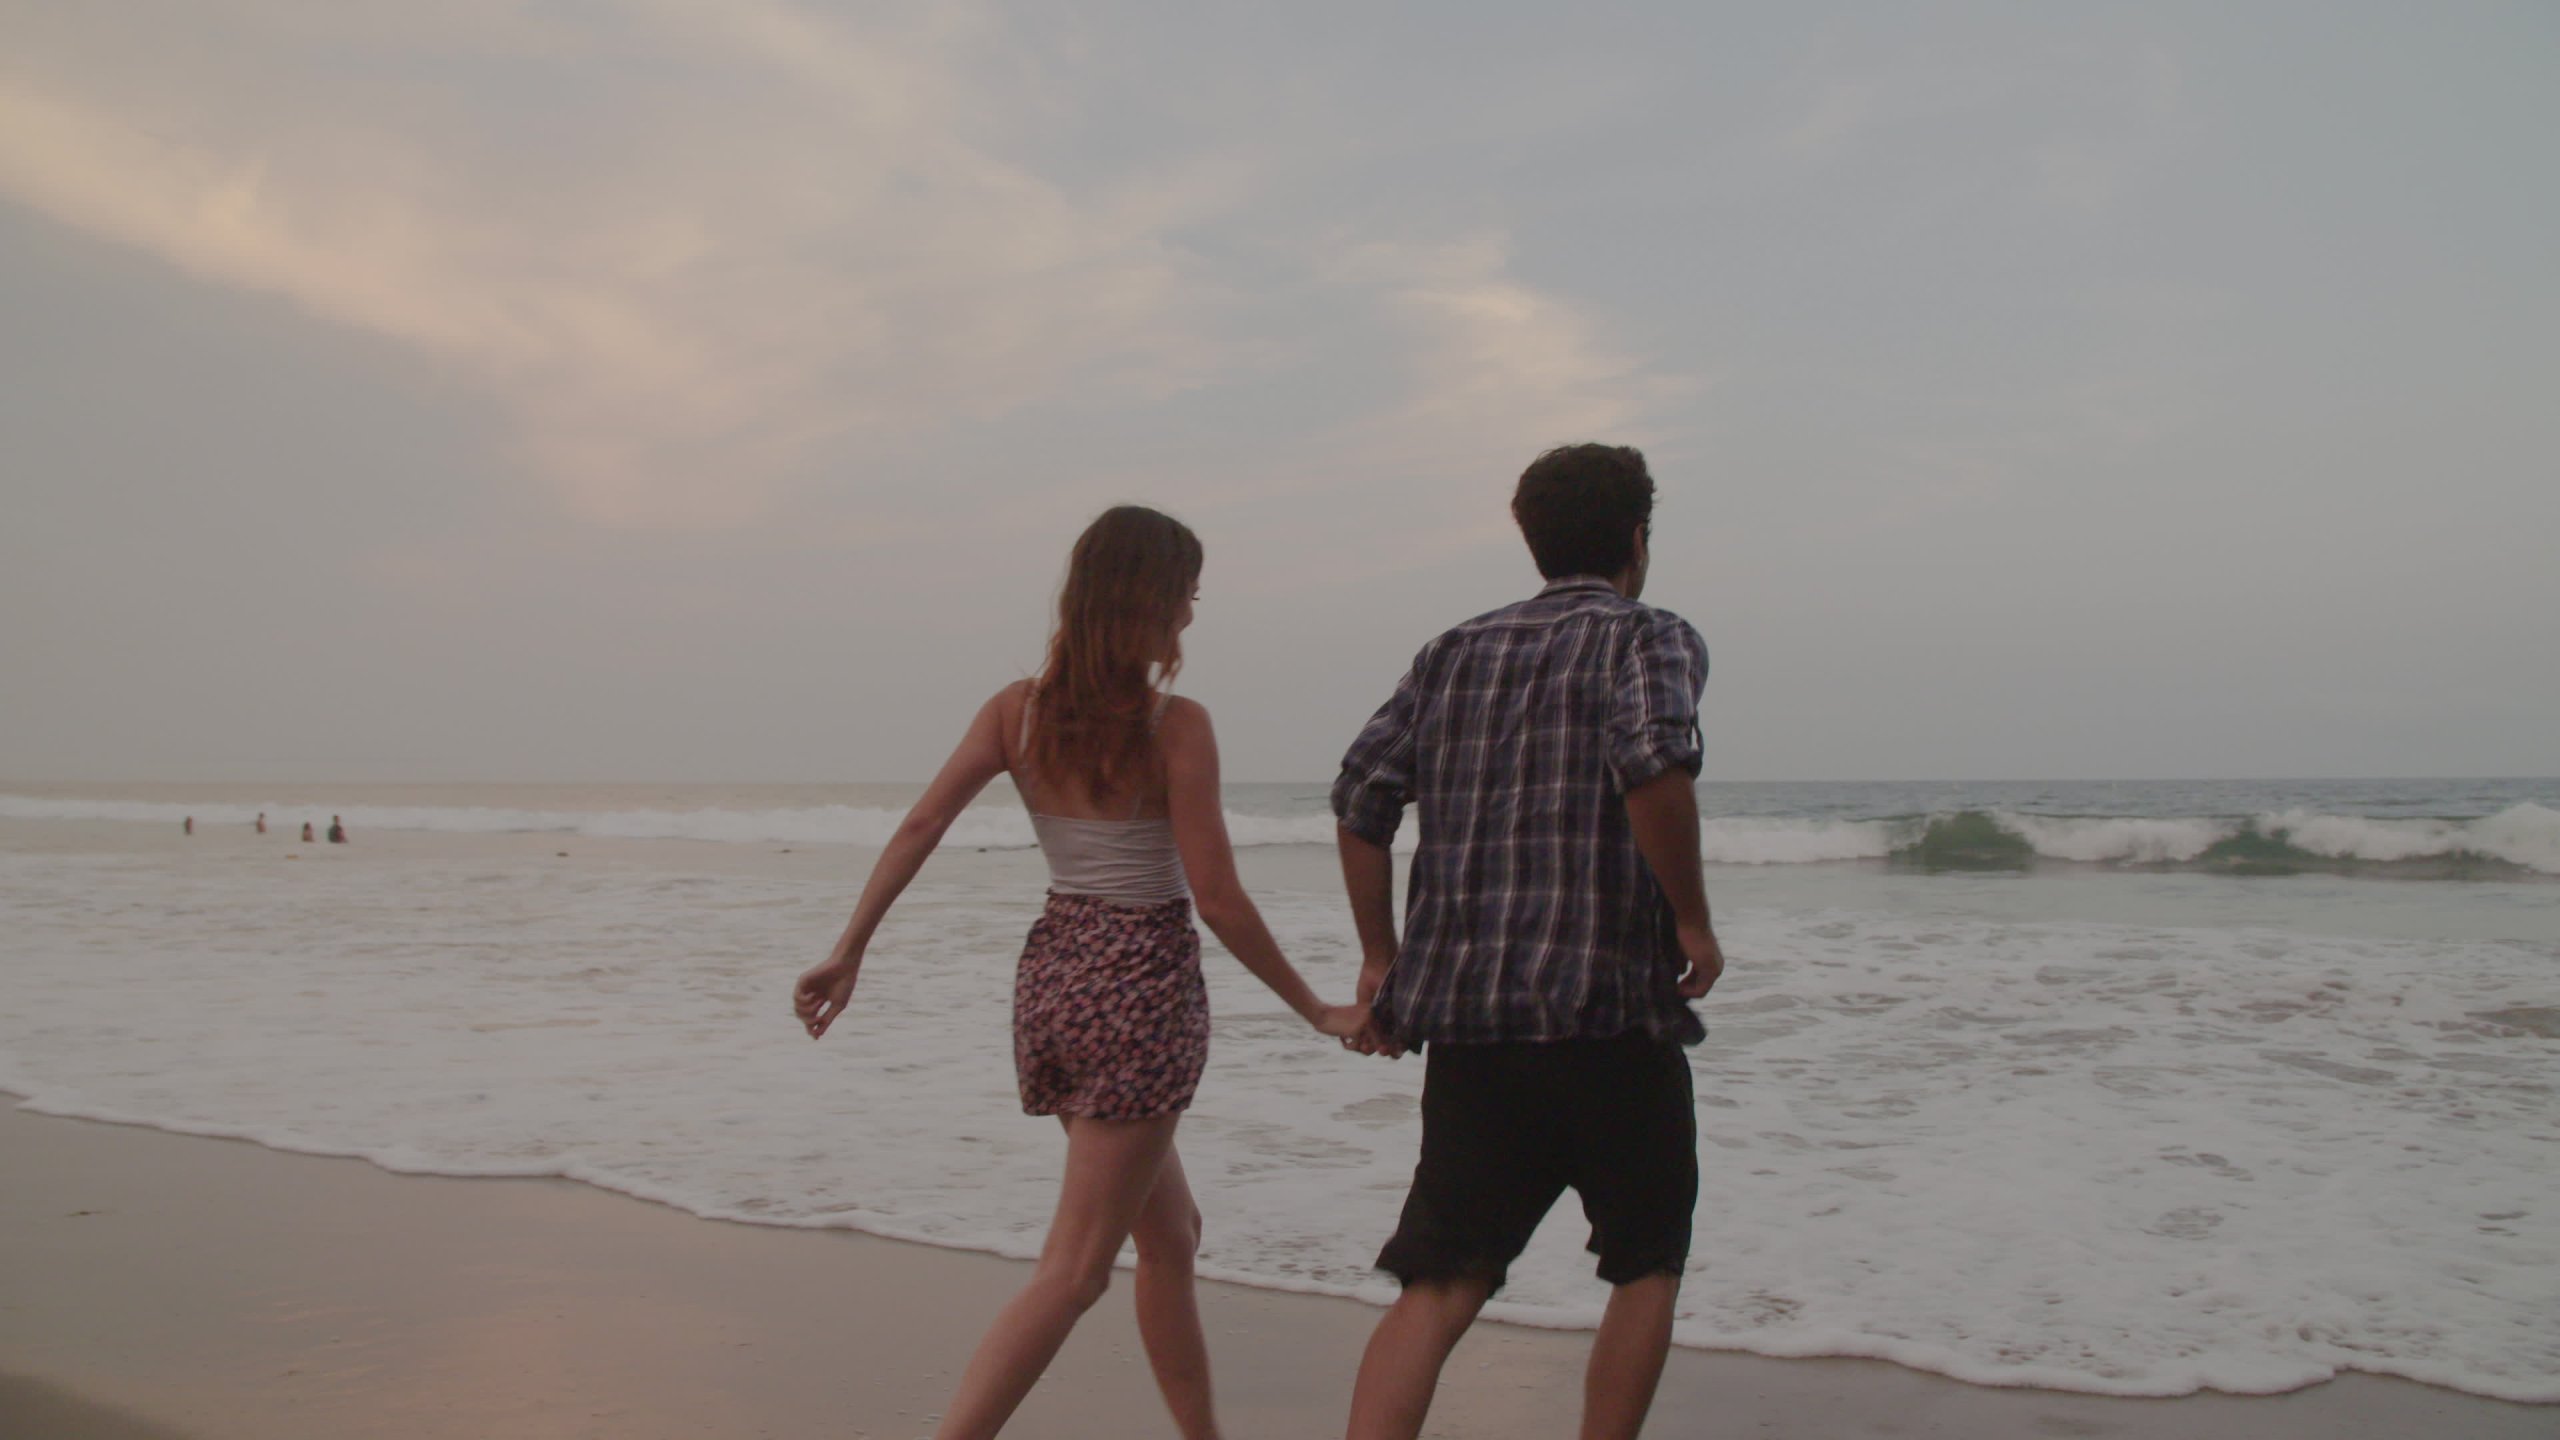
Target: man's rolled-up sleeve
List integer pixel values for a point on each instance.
(1376, 783)
(1653, 704)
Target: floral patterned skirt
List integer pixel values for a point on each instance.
(1110, 1016)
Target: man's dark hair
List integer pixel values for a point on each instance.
(1579, 506)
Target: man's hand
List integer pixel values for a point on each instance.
(1368, 877)
(1373, 973)
(1373, 1039)
(1346, 1023)
(1706, 961)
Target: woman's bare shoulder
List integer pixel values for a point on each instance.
(1007, 705)
(1008, 702)
(1184, 726)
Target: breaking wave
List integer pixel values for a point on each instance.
(2521, 838)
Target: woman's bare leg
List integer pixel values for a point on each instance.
(1168, 1236)
(1111, 1167)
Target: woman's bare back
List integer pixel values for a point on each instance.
(1069, 798)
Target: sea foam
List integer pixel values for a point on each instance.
(2128, 1159)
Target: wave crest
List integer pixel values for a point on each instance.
(2523, 837)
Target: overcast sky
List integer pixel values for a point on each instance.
(710, 389)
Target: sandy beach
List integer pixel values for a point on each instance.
(167, 1287)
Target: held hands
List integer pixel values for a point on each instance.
(822, 994)
(1342, 1022)
(1352, 1024)
(1355, 1025)
(1357, 1029)
(1372, 1038)
(1706, 961)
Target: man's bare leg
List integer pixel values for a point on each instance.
(1626, 1357)
(1402, 1365)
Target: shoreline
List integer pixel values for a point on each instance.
(175, 1287)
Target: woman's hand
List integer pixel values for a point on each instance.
(822, 995)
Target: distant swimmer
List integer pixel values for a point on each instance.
(262, 822)
(191, 825)
(306, 832)
(337, 832)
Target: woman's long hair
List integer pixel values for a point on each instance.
(1114, 650)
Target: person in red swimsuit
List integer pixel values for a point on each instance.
(1111, 1020)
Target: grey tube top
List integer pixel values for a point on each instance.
(1133, 862)
(1130, 861)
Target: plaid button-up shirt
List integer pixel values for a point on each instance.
(1529, 914)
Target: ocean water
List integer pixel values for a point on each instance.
(2122, 1088)
(2462, 829)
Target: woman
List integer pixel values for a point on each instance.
(1111, 1021)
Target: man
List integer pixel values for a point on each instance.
(1555, 931)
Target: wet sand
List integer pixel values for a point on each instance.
(168, 1287)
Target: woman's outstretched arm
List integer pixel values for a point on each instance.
(824, 991)
(1200, 832)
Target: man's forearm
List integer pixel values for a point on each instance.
(1663, 813)
(1369, 877)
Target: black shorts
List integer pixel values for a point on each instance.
(1506, 1128)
